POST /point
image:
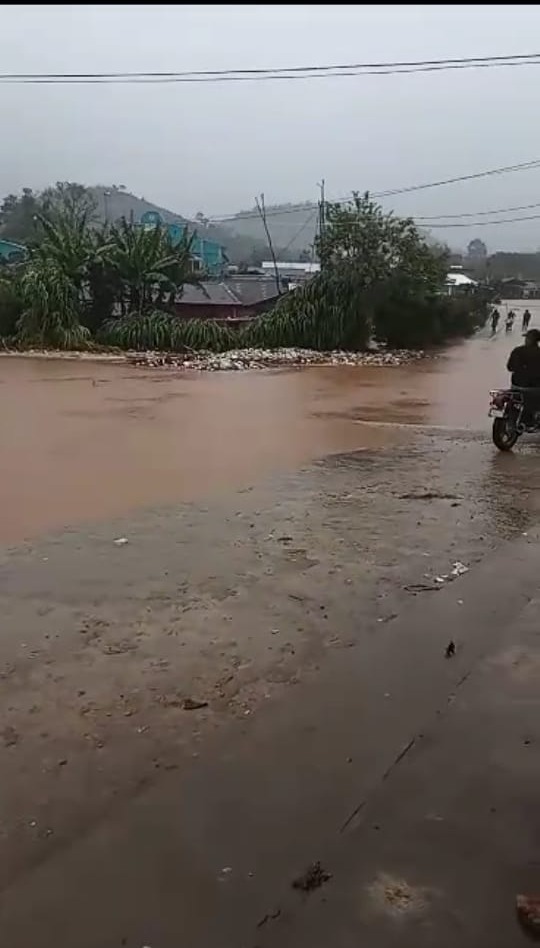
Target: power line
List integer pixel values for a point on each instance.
(499, 210)
(300, 230)
(524, 166)
(273, 73)
(507, 220)
(272, 69)
(438, 222)
(438, 225)
(308, 207)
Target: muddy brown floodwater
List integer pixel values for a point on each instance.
(82, 441)
(285, 529)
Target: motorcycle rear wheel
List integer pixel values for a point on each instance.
(504, 433)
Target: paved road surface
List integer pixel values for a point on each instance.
(412, 778)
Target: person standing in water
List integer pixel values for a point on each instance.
(525, 321)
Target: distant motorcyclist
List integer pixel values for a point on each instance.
(525, 321)
(509, 322)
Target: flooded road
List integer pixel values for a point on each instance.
(130, 673)
(84, 441)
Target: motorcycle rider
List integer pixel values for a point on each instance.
(524, 365)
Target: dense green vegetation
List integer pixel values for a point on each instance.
(380, 278)
(115, 284)
(165, 332)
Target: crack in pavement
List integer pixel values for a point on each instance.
(440, 715)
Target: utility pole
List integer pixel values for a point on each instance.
(262, 213)
(106, 196)
(322, 220)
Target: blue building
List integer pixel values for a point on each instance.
(208, 255)
(11, 252)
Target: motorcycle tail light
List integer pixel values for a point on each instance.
(498, 400)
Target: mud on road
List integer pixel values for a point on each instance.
(224, 604)
(248, 562)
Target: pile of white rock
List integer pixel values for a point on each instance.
(238, 359)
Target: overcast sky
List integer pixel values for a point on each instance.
(212, 147)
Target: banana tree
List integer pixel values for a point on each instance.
(149, 266)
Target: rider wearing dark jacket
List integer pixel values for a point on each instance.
(524, 362)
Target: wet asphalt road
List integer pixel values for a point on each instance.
(410, 777)
(305, 612)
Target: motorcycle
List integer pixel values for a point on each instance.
(507, 408)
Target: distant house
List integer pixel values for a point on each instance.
(512, 288)
(11, 252)
(233, 299)
(207, 255)
(291, 272)
(457, 283)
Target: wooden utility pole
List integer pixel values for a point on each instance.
(322, 220)
(259, 203)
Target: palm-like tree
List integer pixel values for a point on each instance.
(70, 244)
(149, 265)
(80, 273)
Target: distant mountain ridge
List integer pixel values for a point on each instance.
(292, 226)
(115, 202)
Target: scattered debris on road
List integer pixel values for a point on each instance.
(428, 495)
(121, 541)
(269, 917)
(397, 897)
(191, 704)
(238, 359)
(313, 878)
(458, 569)
(421, 587)
(10, 736)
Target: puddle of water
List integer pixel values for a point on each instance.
(83, 441)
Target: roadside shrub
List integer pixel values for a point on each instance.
(412, 322)
(165, 332)
(11, 304)
(50, 315)
(329, 312)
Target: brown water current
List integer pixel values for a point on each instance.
(84, 441)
